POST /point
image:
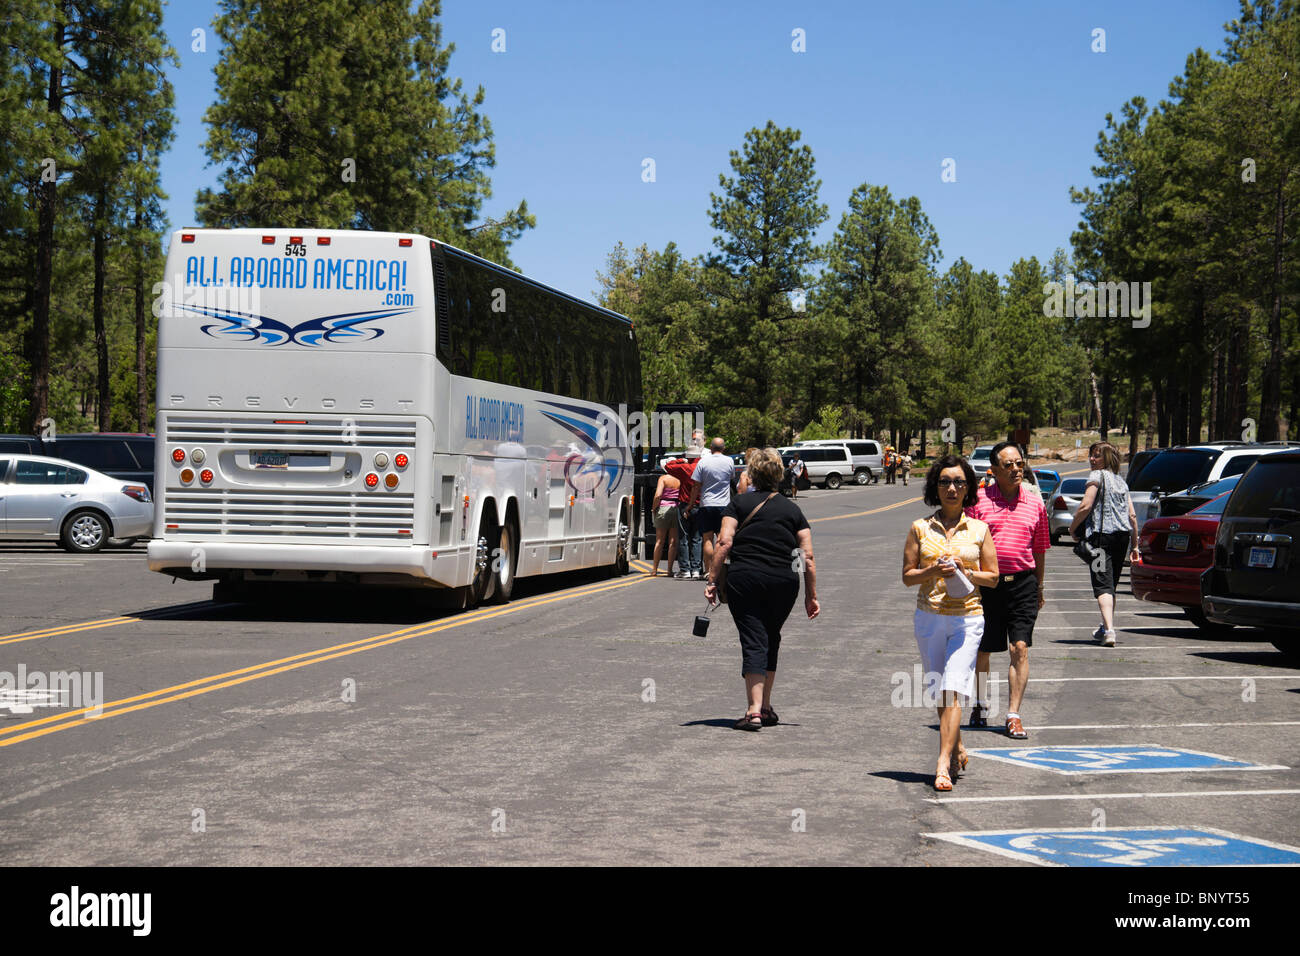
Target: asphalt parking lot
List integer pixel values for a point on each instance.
(583, 724)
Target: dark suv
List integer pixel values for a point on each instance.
(1255, 578)
(125, 455)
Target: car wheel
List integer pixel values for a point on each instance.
(861, 476)
(1197, 617)
(833, 481)
(1056, 537)
(85, 532)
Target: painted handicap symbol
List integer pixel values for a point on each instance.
(1126, 846)
(1124, 852)
(1087, 758)
(1121, 758)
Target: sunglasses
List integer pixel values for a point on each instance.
(953, 482)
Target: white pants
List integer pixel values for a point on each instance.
(948, 646)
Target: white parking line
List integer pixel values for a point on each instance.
(1234, 723)
(1113, 796)
(1161, 647)
(1188, 626)
(1061, 680)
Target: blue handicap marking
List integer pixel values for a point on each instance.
(1132, 758)
(1128, 846)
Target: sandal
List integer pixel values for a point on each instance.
(749, 722)
(958, 764)
(770, 719)
(1015, 729)
(942, 781)
(978, 716)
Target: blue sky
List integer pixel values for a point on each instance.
(885, 92)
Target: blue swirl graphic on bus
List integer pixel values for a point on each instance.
(603, 461)
(334, 329)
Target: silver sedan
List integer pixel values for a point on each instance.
(81, 508)
(1063, 506)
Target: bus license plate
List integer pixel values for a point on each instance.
(1261, 557)
(269, 459)
(1176, 542)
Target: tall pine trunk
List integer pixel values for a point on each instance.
(104, 402)
(47, 193)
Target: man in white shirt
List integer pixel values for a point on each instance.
(712, 491)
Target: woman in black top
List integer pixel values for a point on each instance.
(767, 556)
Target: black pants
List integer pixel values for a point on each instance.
(1114, 549)
(760, 604)
(1010, 610)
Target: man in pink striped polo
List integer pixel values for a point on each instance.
(1019, 525)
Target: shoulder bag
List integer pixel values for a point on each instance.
(720, 576)
(1086, 548)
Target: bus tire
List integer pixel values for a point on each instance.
(504, 563)
(623, 550)
(482, 585)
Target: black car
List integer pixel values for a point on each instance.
(1255, 578)
(1174, 505)
(125, 455)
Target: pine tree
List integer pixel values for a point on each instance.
(335, 115)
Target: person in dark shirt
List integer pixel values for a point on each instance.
(767, 543)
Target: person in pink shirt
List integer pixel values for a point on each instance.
(1019, 525)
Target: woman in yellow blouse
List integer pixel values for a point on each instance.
(950, 556)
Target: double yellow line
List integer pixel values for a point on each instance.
(48, 725)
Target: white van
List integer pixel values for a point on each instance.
(866, 455)
(827, 465)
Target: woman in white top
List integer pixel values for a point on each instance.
(1107, 511)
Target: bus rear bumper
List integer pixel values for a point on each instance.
(200, 560)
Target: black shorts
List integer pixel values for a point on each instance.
(709, 520)
(1010, 610)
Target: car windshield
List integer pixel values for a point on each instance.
(1269, 485)
(1172, 471)
(1073, 486)
(1214, 507)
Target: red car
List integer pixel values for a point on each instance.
(1174, 553)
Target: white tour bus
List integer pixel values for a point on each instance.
(379, 408)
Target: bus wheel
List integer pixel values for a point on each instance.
(503, 563)
(624, 550)
(483, 584)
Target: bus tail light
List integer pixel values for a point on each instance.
(178, 455)
(401, 461)
(187, 237)
(390, 480)
(268, 240)
(206, 476)
(187, 475)
(404, 243)
(372, 480)
(322, 240)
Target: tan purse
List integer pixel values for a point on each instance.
(720, 576)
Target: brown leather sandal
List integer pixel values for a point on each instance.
(749, 722)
